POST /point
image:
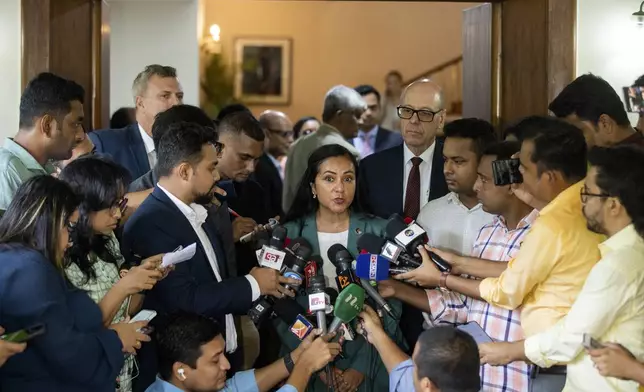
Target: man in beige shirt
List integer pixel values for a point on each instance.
(341, 117)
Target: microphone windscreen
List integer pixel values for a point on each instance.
(372, 267)
(370, 243)
(332, 293)
(262, 238)
(337, 252)
(278, 234)
(395, 226)
(349, 303)
(287, 310)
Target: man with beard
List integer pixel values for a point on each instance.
(609, 307)
(51, 124)
(174, 217)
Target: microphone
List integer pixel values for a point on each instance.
(342, 259)
(347, 307)
(292, 314)
(301, 252)
(311, 269)
(411, 237)
(372, 267)
(317, 301)
(331, 297)
(272, 223)
(391, 251)
(261, 240)
(272, 255)
(260, 310)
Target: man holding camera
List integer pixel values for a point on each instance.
(557, 254)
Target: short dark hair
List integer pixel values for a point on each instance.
(230, 109)
(182, 142)
(48, 94)
(39, 208)
(100, 183)
(479, 131)
(620, 173)
(122, 118)
(639, 82)
(503, 150)
(242, 122)
(177, 114)
(449, 357)
(366, 89)
(558, 146)
(588, 97)
(297, 127)
(180, 340)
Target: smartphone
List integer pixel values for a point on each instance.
(144, 315)
(590, 343)
(634, 98)
(24, 335)
(476, 331)
(506, 172)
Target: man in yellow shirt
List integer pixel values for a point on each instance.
(558, 252)
(609, 306)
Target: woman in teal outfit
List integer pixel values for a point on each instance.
(324, 213)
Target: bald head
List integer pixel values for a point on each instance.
(279, 132)
(422, 114)
(424, 90)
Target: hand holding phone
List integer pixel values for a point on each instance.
(24, 335)
(590, 343)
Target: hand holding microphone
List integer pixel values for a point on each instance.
(427, 275)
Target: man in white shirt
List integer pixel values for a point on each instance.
(154, 90)
(453, 222)
(173, 216)
(609, 306)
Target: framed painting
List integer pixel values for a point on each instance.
(264, 70)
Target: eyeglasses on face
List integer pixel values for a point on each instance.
(120, 205)
(585, 195)
(424, 115)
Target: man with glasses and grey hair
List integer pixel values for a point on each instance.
(401, 180)
(341, 117)
(155, 89)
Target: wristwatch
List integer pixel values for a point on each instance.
(288, 362)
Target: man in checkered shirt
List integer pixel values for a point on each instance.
(498, 241)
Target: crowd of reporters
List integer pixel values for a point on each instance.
(521, 261)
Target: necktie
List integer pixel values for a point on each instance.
(366, 145)
(412, 193)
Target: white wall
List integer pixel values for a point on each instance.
(144, 32)
(10, 68)
(609, 44)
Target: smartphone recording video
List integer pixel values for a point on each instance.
(506, 172)
(634, 97)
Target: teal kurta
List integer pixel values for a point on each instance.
(359, 354)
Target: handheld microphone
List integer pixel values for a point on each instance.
(292, 314)
(347, 307)
(260, 310)
(411, 237)
(372, 267)
(311, 269)
(342, 259)
(317, 301)
(261, 240)
(272, 223)
(272, 255)
(301, 254)
(391, 251)
(331, 297)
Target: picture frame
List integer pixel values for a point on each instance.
(263, 70)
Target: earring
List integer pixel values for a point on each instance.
(314, 195)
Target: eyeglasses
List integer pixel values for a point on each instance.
(120, 205)
(285, 134)
(584, 195)
(424, 115)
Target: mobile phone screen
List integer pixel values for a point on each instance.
(476, 331)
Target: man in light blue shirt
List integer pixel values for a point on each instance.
(445, 358)
(51, 117)
(191, 359)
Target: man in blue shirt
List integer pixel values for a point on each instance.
(191, 359)
(445, 359)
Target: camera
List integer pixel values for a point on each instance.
(506, 172)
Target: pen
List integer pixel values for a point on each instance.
(236, 215)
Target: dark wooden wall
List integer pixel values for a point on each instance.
(64, 37)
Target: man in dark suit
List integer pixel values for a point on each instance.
(269, 171)
(372, 137)
(173, 216)
(155, 89)
(403, 179)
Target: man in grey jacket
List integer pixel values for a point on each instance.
(341, 117)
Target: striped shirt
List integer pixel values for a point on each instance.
(497, 243)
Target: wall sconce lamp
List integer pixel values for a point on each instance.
(638, 17)
(211, 44)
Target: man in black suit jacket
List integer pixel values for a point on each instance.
(155, 89)
(372, 137)
(173, 216)
(403, 179)
(269, 171)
